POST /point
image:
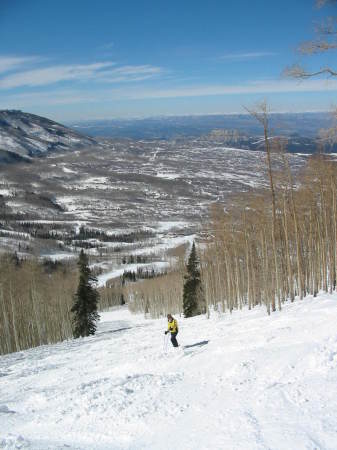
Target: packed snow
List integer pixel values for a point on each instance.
(240, 381)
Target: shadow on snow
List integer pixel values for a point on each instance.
(197, 344)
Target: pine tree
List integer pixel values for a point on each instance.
(193, 299)
(85, 301)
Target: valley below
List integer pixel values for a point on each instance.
(126, 202)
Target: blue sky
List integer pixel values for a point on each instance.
(81, 59)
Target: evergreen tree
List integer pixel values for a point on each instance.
(85, 301)
(193, 299)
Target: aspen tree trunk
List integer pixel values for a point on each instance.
(284, 292)
(334, 207)
(321, 261)
(228, 277)
(249, 294)
(36, 315)
(266, 289)
(218, 286)
(253, 276)
(205, 283)
(7, 335)
(311, 284)
(295, 218)
(289, 267)
(273, 231)
(324, 256)
(317, 259)
(14, 324)
(262, 117)
(237, 284)
(326, 248)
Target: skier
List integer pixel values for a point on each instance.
(173, 329)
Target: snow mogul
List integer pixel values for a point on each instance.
(173, 329)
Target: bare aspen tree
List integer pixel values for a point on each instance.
(34, 305)
(156, 296)
(239, 257)
(325, 40)
(5, 341)
(295, 219)
(261, 115)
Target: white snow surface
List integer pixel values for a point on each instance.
(157, 266)
(242, 381)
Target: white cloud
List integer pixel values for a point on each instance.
(8, 63)
(98, 72)
(254, 87)
(52, 97)
(246, 56)
(53, 74)
(130, 73)
(77, 96)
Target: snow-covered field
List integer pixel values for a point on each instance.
(165, 187)
(246, 381)
(158, 266)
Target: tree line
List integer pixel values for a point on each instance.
(274, 246)
(45, 302)
(35, 303)
(177, 290)
(271, 246)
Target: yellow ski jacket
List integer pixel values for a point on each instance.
(173, 326)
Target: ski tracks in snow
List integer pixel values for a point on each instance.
(248, 381)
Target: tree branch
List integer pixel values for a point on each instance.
(311, 47)
(299, 72)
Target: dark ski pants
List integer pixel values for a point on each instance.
(174, 339)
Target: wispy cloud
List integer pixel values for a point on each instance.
(103, 72)
(254, 87)
(74, 96)
(8, 63)
(246, 55)
(52, 97)
(53, 74)
(130, 73)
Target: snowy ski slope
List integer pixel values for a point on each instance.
(258, 383)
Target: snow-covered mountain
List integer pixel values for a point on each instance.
(27, 134)
(245, 381)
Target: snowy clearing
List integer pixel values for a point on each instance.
(158, 266)
(246, 381)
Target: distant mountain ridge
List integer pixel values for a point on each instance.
(23, 135)
(306, 125)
